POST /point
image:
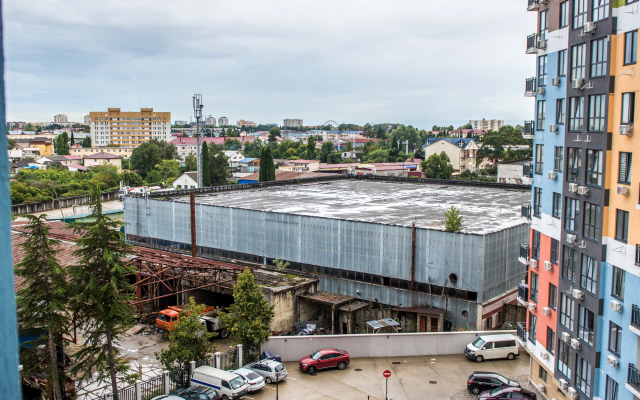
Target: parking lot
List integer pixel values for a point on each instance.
(423, 377)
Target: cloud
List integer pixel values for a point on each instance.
(416, 62)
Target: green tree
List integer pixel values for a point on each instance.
(11, 143)
(403, 133)
(249, 317)
(453, 220)
(274, 132)
(146, 156)
(327, 152)
(131, 179)
(86, 142)
(311, 148)
(72, 141)
(219, 168)
(267, 168)
(348, 146)
(230, 132)
(377, 156)
(369, 147)
(62, 144)
(42, 302)
(437, 166)
(188, 341)
(191, 162)
(169, 169)
(232, 144)
(206, 168)
(252, 149)
(102, 297)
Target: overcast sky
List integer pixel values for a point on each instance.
(419, 62)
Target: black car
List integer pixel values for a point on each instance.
(197, 393)
(480, 381)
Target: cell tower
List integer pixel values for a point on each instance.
(197, 112)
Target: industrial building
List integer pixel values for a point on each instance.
(381, 242)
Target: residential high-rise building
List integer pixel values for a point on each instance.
(129, 128)
(486, 124)
(60, 118)
(292, 123)
(210, 121)
(87, 119)
(223, 121)
(243, 122)
(583, 283)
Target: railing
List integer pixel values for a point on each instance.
(635, 316)
(152, 388)
(527, 170)
(521, 331)
(532, 43)
(524, 251)
(530, 87)
(638, 254)
(532, 5)
(528, 128)
(633, 378)
(525, 212)
(523, 292)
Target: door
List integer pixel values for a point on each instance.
(324, 361)
(422, 327)
(487, 351)
(434, 324)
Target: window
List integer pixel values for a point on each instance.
(564, 14)
(544, 24)
(628, 108)
(594, 168)
(599, 57)
(537, 202)
(557, 205)
(588, 274)
(583, 376)
(624, 168)
(566, 311)
(569, 264)
(585, 325)
(553, 297)
(611, 391)
(539, 159)
(560, 112)
(542, 71)
(615, 338)
(576, 113)
(579, 13)
(555, 247)
(622, 225)
(571, 211)
(542, 112)
(551, 340)
(534, 287)
(574, 164)
(533, 321)
(596, 113)
(630, 47)
(600, 10)
(591, 223)
(535, 253)
(543, 374)
(617, 286)
(564, 357)
(578, 61)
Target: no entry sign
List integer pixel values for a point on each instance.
(386, 373)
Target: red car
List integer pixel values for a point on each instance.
(327, 358)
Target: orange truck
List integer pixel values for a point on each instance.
(167, 319)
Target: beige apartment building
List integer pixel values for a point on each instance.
(486, 124)
(60, 118)
(129, 128)
(125, 152)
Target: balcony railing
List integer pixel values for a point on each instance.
(532, 5)
(635, 316)
(523, 293)
(525, 212)
(633, 378)
(527, 170)
(524, 251)
(532, 43)
(530, 87)
(521, 330)
(528, 132)
(638, 254)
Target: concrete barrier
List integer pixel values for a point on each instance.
(293, 348)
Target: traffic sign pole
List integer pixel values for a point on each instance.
(387, 374)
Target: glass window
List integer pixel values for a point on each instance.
(622, 225)
(615, 338)
(578, 61)
(600, 10)
(588, 274)
(591, 222)
(611, 392)
(544, 24)
(542, 71)
(551, 339)
(539, 159)
(555, 248)
(562, 63)
(537, 202)
(585, 325)
(533, 322)
(569, 263)
(597, 113)
(617, 286)
(560, 112)
(599, 57)
(542, 112)
(566, 311)
(624, 168)
(579, 13)
(628, 108)
(564, 357)
(594, 167)
(564, 14)
(571, 210)
(553, 296)
(543, 373)
(533, 295)
(557, 205)
(576, 113)
(583, 376)
(630, 47)
(558, 158)
(574, 164)
(535, 253)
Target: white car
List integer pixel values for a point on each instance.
(271, 370)
(167, 397)
(255, 381)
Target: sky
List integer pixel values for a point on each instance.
(418, 62)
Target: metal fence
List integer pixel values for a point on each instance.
(152, 388)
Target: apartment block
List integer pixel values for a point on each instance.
(210, 121)
(60, 119)
(223, 121)
(129, 128)
(292, 123)
(486, 124)
(243, 122)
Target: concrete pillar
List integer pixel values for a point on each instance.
(217, 361)
(192, 366)
(239, 350)
(165, 381)
(139, 390)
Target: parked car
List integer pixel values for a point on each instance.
(255, 381)
(271, 370)
(482, 381)
(199, 392)
(167, 397)
(492, 346)
(507, 393)
(322, 359)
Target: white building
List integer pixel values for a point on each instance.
(210, 121)
(223, 121)
(60, 118)
(87, 119)
(486, 124)
(129, 128)
(294, 122)
(188, 180)
(234, 157)
(461, 152)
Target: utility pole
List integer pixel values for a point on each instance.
(197, 111)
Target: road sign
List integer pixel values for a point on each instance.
(386, 373)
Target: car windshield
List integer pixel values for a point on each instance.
(212, 395)
(478, 343)
(164, 318)
(316, 355)
(252, 376)
(236, 383)
(497, 391)
(279, 368)
(342, 352)
(503, 379)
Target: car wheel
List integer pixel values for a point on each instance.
(311, 370)
(511, 356)
(342, 365)
(225, 397)
(475, 390)
(224, 333)
(479, 359)
(268, 380)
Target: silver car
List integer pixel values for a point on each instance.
(255, 381)
(271, 370)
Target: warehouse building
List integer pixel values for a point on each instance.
(380, 242)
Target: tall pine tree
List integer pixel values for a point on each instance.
(206, 165)
(71, 140)
(44, 295)
(102, 296)
(267, 168)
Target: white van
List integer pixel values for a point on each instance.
(227, 384)
(493, 346)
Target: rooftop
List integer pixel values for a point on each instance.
(484, 210)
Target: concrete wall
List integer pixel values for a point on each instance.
(510, 173)
(293, 348)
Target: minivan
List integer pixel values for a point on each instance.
(491, 347)
(227, 384)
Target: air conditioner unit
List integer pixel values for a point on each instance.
(573, 187)
(571, 239)
(590, 27)
(573, 393)
(548, 266)
(544, 355)
(623, 190)
(615, 306)
(553, 128)
(555, 81)
(626, 130)
(577, 83)
(553, 175)
(612, 361)
(533, 264)
(541, 388)
(578, 294)
(546, 311)
(563, 384)
(542, 44)
(532, 306)
(566, 337)
(575, 344)
(583, 190)
(541, 91)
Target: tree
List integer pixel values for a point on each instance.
(188, 341)
(348, 146)
(437, 166)
(43, 300)
(72, 140)
(249, 317)
(311, 148)
(230, 132)
(206, 168)
(232, 144)
(191, 162)
(267, 168)
(377, 156)
(404, 133)
(274, 132)
(146, 156)
(419, 154)
(252, 149)
(327, 152)
(131, 179)
(86, 142)
(102, 296)
(62, 144)
(453, 220)
(219, 168)
(169, 169)
(11, 143)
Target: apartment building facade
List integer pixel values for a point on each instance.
(129, 128)
(292, 122)
(223, 121)
(583, 245)
(487, 124)
(60, 118)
